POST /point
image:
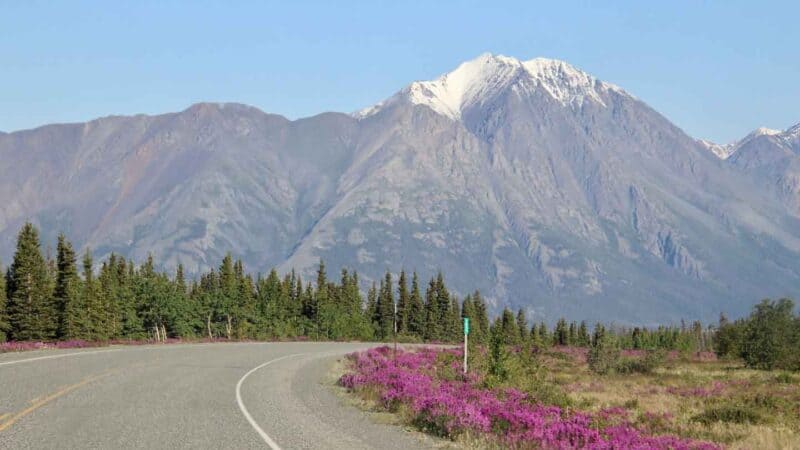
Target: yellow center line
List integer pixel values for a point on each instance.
(38, 403)
(3, 416)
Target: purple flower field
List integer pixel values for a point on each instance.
(424, 384)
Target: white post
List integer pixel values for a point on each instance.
(466, 347)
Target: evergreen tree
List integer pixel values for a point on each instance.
(522, 325)
(110, 294)
(92, 302)
(372, 309)
(131, 324)
(573, 333)
(433, 323)
(583, 338)
(443, 308)
(67, 291)
(403, 303)
(598, 335)
(561, 333)
(481, 319)
(544, 335)
(385, 310)
(455, 320)
(416, 310)
(508, 328)
(5, 327)
(31, 311)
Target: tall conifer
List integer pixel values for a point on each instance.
(31, 312)
(4, 325)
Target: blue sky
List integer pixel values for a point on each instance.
(717, 69)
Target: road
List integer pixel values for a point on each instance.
(220, 396)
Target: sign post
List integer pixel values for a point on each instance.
(466, 342)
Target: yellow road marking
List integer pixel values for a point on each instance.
(3, 416)
(39, 403)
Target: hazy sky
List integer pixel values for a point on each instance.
(717, 69)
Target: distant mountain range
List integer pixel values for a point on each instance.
(532, 181)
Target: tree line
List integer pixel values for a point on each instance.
(59, 299)
(45, 299)
(514, 330)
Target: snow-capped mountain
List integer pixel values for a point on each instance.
(475, 83)
(771, 158)
(724, 151)
(531, 180)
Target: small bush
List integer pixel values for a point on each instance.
(729, 414)
(604, 356)
(646, 364)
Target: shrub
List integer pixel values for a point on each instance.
(729, 414)
(770, 337)
(604, 356)
(652, 360)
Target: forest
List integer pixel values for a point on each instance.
(48, 299)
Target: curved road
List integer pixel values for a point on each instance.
(226, 395)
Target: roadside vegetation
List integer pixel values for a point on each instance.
(625, 388)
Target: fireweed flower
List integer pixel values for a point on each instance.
(509, 416)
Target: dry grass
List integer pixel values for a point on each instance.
(685, 390)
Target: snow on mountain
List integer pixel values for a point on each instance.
(532, 181)
(722, 151)
(772, 159)
(477, 81)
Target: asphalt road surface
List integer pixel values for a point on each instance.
(217, 396)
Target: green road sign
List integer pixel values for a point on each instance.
(466, 325)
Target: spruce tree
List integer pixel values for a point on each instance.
(92, 303)
(455, 320)
(522, 325)
(372, 309)
(544, 335)
(109, 292)
(561, 333)
(67, 291)
(386, 308)
(31, 311)
(583, 335)
(131, 324)
(416, 310)
(403, 301)
(4, 325)
(443, 305)
(481, 318)
(573, 333)
(229, 293)
(433, 322)
(508, 328)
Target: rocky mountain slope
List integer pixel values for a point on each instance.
(531, 180)
(771, 158)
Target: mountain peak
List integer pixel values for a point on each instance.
(475, 81)
(763, 131)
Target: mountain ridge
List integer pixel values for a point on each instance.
(593, 207)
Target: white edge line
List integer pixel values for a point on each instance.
(246, 413)
(118, 349)
(62, 355)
